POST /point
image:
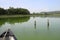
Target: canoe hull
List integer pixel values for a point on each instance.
(9, 35)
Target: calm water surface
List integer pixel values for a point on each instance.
(32, 28)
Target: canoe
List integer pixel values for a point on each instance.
(7, 35)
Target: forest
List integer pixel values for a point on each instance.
(14, 11)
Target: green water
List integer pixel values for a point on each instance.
(32, 28)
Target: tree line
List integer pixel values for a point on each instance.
(14, 11)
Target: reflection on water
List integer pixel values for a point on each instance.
(14, 20)
(33, 28)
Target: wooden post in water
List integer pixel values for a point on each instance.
(35, 24)
(48, 24)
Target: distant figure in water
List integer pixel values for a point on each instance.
(48, 24)
(35, 24)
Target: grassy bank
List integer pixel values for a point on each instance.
(5, 16)
(32, 15)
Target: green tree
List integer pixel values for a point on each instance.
(2, 11)
(14, 11)
(11, 11)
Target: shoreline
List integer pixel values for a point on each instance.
(12, 15)
(8, 16)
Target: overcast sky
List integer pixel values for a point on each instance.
(32, 5)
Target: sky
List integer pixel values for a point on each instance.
(32, 5)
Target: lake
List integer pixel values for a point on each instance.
(32, 28)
